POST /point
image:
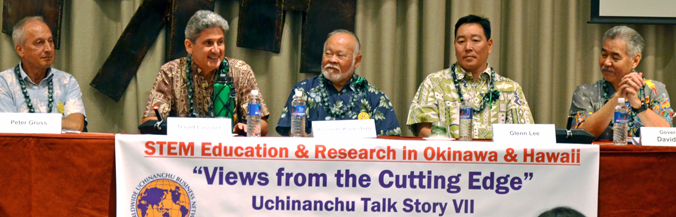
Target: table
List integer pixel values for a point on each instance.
(74, 175)
(57, 175)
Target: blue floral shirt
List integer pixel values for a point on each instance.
(67, 96)
(588, 99)
(370, 100)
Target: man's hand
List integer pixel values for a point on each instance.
(630, 86)
(240, 128)
(73, 121)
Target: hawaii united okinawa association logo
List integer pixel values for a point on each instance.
(163, 194)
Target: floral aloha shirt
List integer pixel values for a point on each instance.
(372, 101)
(588, 98)
(67, 96)
(437, 100)
(170, 92)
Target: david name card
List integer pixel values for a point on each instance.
(658, 136)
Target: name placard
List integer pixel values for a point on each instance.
(30, 123)
(184, 126)
(530, 133)
(658, 136)
(344, 128)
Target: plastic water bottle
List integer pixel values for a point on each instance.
(297, 115)
(253, 120)
(466, 110)
(620, 123)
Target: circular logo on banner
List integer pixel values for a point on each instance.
(162, 196)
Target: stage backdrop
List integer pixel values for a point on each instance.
(546, 46)
(170, 176)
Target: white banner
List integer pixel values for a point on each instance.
(239, 176)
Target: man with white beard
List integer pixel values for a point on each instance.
(340, 94)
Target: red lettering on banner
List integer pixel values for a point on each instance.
(467, 156)
(321, 152)
(527, 155)
(437, 154)
(531, 156)
(206, 147)
(352, 153)
(169, 148)
(150, 150)
(249, 151)
(238, 151)
(161, 143)
(257, 151)
(320, 149)
(188, 150)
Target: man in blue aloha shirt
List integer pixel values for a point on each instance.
(593, 105)
(340, 94)
(33, 86)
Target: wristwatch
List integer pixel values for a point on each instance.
(639, 110)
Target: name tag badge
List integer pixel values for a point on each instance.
(535, 134)
(191, 127)
(30, 123)
(658, 136)
(344, 128)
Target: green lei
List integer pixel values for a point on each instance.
(487, 98)
(223, 70)
(29, 104)
(360, 85)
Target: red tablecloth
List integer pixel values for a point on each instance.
(74, 175)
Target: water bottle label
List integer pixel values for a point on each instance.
(255, 109)
(466, 113)
(621, 117)
(298, 110)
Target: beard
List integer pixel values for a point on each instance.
(337, 75)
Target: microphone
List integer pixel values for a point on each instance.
(157, 113)
(158, 124)
(569, 126)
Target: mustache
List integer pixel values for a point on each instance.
(334, 66)
(606, 68)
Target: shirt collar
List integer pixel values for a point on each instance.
(25, 77)
(461, 73)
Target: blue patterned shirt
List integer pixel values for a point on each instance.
(372, 101)
(67, 96)
(588, 99)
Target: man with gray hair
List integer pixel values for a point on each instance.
(340, 94)
(185, 87)
(33, 85)
(593, 104)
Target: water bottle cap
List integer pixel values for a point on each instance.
(298, 93)
(254, 92)
(620, 100)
